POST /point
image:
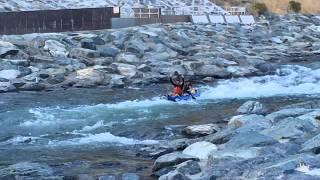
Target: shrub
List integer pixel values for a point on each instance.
(295, 6)
(260, 8)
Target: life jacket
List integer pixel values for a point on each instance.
(178, 90)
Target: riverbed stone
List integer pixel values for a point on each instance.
(252, 107)
(55, 48)
(249, 139)
(200, 150)
(82, 52)
(200, 130)
(125, 69)
(171, 159)
(127, 58)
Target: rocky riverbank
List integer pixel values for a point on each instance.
(149, 54)
(256, 144)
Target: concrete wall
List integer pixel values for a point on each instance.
(129, 22)
(56, 20)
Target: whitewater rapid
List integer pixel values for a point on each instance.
(85, 124)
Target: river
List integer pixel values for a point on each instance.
(95, 131)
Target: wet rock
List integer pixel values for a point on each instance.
(6, 87)
(249, 139)
(171, 160)
(27, 170)
(201, 130)
(56, 79)
(7, 48)
(32, 87)
(55, 48)
(252, 107)
(200, 150)
(130, 176)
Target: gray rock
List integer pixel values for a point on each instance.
(249, 120)
(127, 58)
(81, 52)
(7, 48)
(171, 160)
(126, 70)
(6, 87)
(27, 170)
(249, 139)
(108, 51)
(290, 128)
(252, 107)
(130, 176)
(32, 87)
(104, 61)
(144, 68)
(200, 149)
(174, 175)
(312, 145)
(201, 130)
(285, 113)
(88, 44)
(55, 48)
(9, 74)
(189, 168)
(211, 71)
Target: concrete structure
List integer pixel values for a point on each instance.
(57, 20)
(147, 12)
(200, 19)
(232, 19)
(217, 19)
(247, 19)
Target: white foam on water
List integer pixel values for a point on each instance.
(41, 118)
(289, 80)
(102, 138)
(20, 140)
(93, 127)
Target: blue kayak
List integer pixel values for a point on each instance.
(184, 97)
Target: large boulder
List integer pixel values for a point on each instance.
(6, 87)
(9, 74)
(55, 48)
(200, 130)
(108, 51)
(249, 139)
(252, 107)
(89, 76)
(200, 150)
(285, 113)
(82, 52)
(125, 69)
(249, 120)
(171, 159)
(7, 48)
(127, 58)
(174, 175)
(312, 145)
(290, 128)
(130, 176)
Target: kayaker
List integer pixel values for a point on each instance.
(190, 90)
(178, 86)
